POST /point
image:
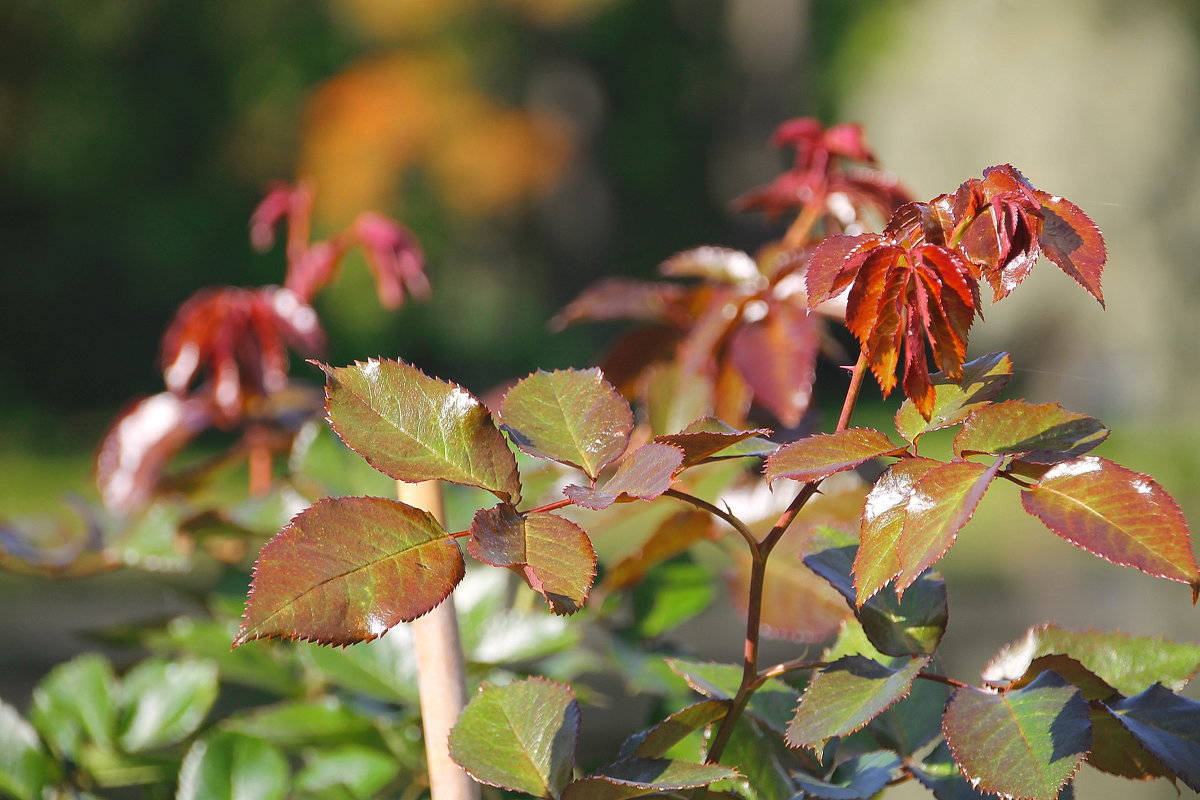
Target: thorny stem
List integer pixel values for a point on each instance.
(716, 511)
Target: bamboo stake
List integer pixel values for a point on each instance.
(441, 680)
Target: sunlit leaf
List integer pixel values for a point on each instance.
(856, 778)
(521, 736)
(710, 438)
(954, 398)
(572, 416)
(348, 569)
(164, 702)
(1130, 664)
(771, 704)
(676, 398)
(847, 695)
(816, 457)
(636, 777)
(1044, 433)
(25, 767)
(834, 263)
(1166, 725)
(643, 474)
(713, 263)
(1025, 743)
(896, 626)
(560, 563)
(233, 766)
(1118, 514)
(938, 773)
(416, 428)
(655, 742)
(77, 702)
(351, 768)
(776, 356)
(877, 560)
(1115, 751)
(1072, 241)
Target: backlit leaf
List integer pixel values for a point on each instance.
(777, 356)
(1115, 751)
(233, 766)
(1166, 725)
(857, 778)
(954, 398)
(1130, 664)
(655, 742)
(834, 264)
(1025, 743)
(877, 560)
(636, 777)
(416, 428)
(643, 474)
(771, 704)
(572, 416)
(847, 695)
(896, 626)
(797, 605)
(710, 438)
(1118, 514)
(1043, 433)
(816, 457)
(521, 736)
(1073, 242)
(347, 569)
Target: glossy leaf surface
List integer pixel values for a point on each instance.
(572, 416)
(233, 766)
(643, 474)
(26, 770)
(711, 438)
(636, 777)
(857, 778)
(164, 702)
(909, 625)
(954, 398)
(877, 560)
(1130, 664)
(777, 356)
(346, 570)
(1044, 433)
(847, 695)
(1166, 725)
(415, 428)
(1072, 241)
(521, 736)
(1120, 515)
(816, 457)
(773, 703)
(77, 702)
(1026, 743)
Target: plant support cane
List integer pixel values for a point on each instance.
(441, 683)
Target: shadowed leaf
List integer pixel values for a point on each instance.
(847, 695)
(520, 737)
(954, 398)
(817, 457)
(346, 570)
(1043, 433)
(759, 758)
(636, 777)
(415, 428)
(643, 474)
(877, 560)
(656, 741)
(857, 778)
(710, 438)
(777, 356)
(1130, 664)
(1115, 751)
(571, 416)
(1025, 743)
(938, 773)
(1115, 513)
(1168, 726)
(1072, 241)
(771, 704)
(1090, 685)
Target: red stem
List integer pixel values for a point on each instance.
(856, 380)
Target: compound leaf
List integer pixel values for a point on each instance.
(347, 569)
(954, 398)
(521, 736)
(1044, 433)
(817, 457)
(1168, 726)
(415, 428)
(1115, 513)
(572, 416)
(1025, 743)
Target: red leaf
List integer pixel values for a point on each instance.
(817, 457)
(1115, 513)
(720, 264)
(1073, 242)
(643, 474)
(346, 570)
(710, 438)
(777, 357)
(394, 256)
(834, 263)
(623, 298)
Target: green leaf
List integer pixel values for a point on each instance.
(897, 626)
(847, 695)
(25, 768)
(670, 595)
(771, 704)
(757, 758)
(556, 554)
(572, 416)
(938, 773)
(520, 737)
(1115, 751)
(1168, 726)
(710, 438)
(643, 474)
(1026, 743)
(877, 560)
(77, 703)
(384, 668)
(269, 667)
(347, 569)
(657, 741)
(363, 771)
(1043, 433)
(416, 428)
(856, 778)
(915, 721)
(298, 722)
(982, 381)
(816, 457)
(636, 777)
(232, 766)
(164, 702)
(1115, 513)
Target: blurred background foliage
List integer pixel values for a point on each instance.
(537, 145)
